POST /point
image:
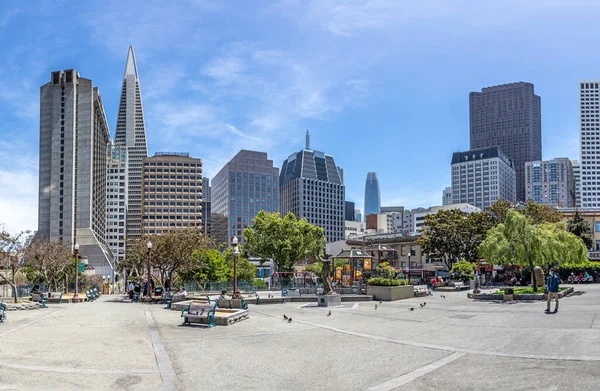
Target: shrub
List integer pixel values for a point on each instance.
(463, 268)
(259, 284)
(380, 281)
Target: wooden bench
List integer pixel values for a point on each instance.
(197, 311)
(55, 297)
(238, 304)
(420, 292)
(277, 295)
(2, 312)
(39, 299)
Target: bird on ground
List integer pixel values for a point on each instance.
(329, 313)
(380, 302)
(284, 317)
(375, 306)
(290, 320)
(421, 305)
(443, 297)
(412, 309)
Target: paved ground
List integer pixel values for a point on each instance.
(451, 343)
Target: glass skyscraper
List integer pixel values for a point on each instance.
(372, 195)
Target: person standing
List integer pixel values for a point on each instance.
(552, 288)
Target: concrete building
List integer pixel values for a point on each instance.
(74, 136)
(312, 188)
(206, 206)
(389, 222)
(372, 194)
(353, 228)
(509, 117)
(589, 104)
(206, 191)
(550, 182)
(414, 219)
(447, 196)
(482, 176)
(247, 184)
(349, 210)
(116, 200)
(131, 133)
(171, 192)
(577, 179)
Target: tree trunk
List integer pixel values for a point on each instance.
(13, 284)
(533, 279)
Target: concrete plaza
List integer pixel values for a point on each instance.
(451, 343)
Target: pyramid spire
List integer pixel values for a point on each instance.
(307, 140)
(131, 66)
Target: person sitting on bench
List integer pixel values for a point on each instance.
(223, 295)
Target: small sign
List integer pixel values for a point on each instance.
(81, 267)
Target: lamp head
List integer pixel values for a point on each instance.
(76, 246)
(234, 241)
(149, 245)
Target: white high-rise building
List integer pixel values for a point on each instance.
(589, 109)
(482, 176)
(116, 200)
(131, 132)
(550, 182)
(577, 179)
(74, 136)
(447, 196)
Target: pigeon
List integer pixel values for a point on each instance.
(380, 302)
(329, 313)
(284, 317)
(424, 304)
(443, 297)
(375, 306)
(421, 305)
(290, 320)
(412, 309)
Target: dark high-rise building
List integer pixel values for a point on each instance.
(312, 187)
(508, 116)
(348, 210)
(372, 196)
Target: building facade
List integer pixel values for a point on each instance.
(312, 187)
(589, 104)
(447, 196)
(131, 133)
(74, 136)
(372, 195)
(508, 116)
(171, 193)
(206, 193)
(349, 210)
(358, 215)
(551, 182)
(592, 216)
(116, 200)
(353, 228)
(482, 176)
(247, 184)
(577, 179)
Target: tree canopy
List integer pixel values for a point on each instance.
(50, 259)
(284, 240)
(580, 227)
(11, 257)
(519, 241)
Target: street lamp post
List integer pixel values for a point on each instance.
(236, 252)
(76, 253)
(149, 245)
(408, 269)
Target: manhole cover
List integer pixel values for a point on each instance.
(463, 316)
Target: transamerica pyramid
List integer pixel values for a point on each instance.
(131, 132)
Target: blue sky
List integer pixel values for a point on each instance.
(382, 85)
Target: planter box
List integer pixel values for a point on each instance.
(391, 293)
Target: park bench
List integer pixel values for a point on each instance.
(265, 296)
(459, 286)
(196, 311)
(38, 298)
(173, 299)
(90, 296)
(2, 312)
(55, 297)
(420, 292)
(239, 304)
(95, 292)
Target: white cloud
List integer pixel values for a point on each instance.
(225, 70)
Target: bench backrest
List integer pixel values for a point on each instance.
(35, 297)
(266, 294)
(232, 303)
(198, 307)
(56, 295)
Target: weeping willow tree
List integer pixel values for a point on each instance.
(518, 241)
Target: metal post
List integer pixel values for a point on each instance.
(236, 252)
(148, 286)
(76, 295)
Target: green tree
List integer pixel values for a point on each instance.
(539, 214)
(580, 227)
(246, 271)
(498, 211)
(205, 265)
(519, 241)
(463, 267)
(283, 240)
(450, 235)
(315, 268)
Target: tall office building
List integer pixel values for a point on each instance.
(172, 192)
(206, 189)
(131, 132)
(312, 188)
(72, 173)
(358, 215)
(577, 179)
(550, 182)
(447, 196)
(246, 185)
(372, 196)
(482, 176)
(349, 210)
(508, 116)
(116, 200)
(589, 109)
(206, 206)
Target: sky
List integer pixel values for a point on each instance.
(382, 85)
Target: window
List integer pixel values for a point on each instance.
(598, 226)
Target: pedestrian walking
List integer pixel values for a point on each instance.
(552, 288)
